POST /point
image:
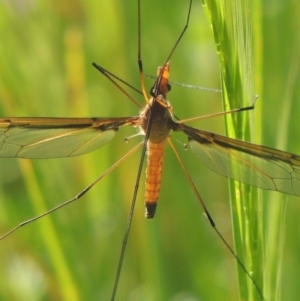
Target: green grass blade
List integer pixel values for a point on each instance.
(231, 25)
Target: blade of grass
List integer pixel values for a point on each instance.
(231, 26)
(67, 288)
(276, 210)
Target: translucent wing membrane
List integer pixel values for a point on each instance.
(56, 137)
(245, 162)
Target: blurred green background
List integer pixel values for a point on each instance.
(46, 52)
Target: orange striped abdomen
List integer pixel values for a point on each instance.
(153, 176)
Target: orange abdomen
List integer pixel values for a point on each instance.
(153, 176)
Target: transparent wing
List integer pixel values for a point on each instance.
(56, 137)
(245, 162)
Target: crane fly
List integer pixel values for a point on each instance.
(251, 164)
(256, 165)
(260, 166)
